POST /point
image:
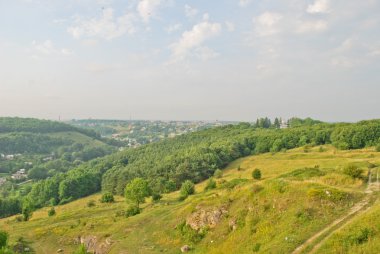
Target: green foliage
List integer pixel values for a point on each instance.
(3, 239)
(190, 234)
(256, 174)
(156, 196)
(107, 198)
(137, 190)
(81, 250)
(378, 147)
(211, 184)
(359, 236)
(27, 211)
(353, 170)
(187, 189)
(304, 174)
(218, 173)
(51, 212)
(132, 211)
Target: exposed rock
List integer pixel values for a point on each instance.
(206, 218)
(59, 251)
(94, 246)
(185, 248)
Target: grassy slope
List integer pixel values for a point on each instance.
(278, 218)
(351, 238)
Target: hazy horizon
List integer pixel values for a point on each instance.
(190, 60)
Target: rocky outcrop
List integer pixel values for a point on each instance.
(206, 217)
(93, 245)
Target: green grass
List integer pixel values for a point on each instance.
(273, 215)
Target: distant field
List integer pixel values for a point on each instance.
(274, 215)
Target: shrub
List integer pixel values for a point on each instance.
(359, 237)
(238, 168)
(187, 189)
(256, 174)
(353, 171)
(190, 234)
(51, 212)
(156, 196)
(132, 211)
(91, 203)
(3, 239)
(211, 184)
(107, 198)
(218, 173)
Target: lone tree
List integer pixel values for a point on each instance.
(187, 189)
(137, 190)
(256, 174)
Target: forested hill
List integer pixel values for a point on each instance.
(194, 157)
(15, 124)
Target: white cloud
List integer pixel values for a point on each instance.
(205, 53)
(47, 48)
(230, 26)
(107, 27)
(319, 6)
(194, 39)
(173, 28)
(266, 23)
(312, 26)
(244, 3)
(190, 11)
(148, 8)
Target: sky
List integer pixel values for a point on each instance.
(190, 60)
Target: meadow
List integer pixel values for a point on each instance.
(301, 192)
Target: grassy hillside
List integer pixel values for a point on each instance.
(301, 192)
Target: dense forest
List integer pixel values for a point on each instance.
(196, 156)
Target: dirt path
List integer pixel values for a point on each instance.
(372, 186)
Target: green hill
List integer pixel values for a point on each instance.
(300, 193)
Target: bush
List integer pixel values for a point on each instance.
(3, 239)
(187, 189)
(256, 174)
(190, 234)
(211, 184)
(107, 198)
(359, 237)
(218, 173)
(132, 211)
(51, 212)
(91, 203)
(156, 197)
(353, 171)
